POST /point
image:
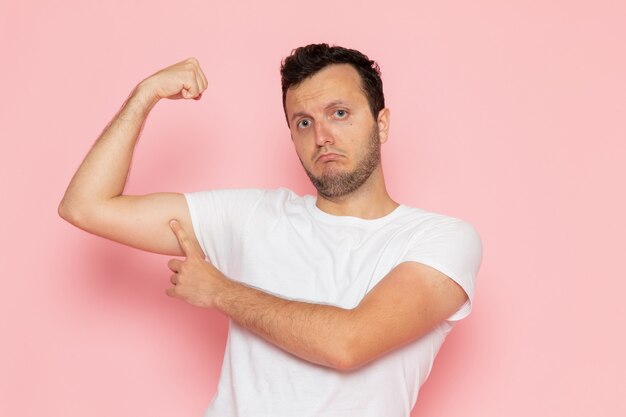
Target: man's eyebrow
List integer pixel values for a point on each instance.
(297, 114)
(328, 106)
(335, 103)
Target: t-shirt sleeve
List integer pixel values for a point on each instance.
(219, 219)
(453, 247)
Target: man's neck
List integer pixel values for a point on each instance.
(370, 201)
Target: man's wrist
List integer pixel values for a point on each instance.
(138, 104)
(145, 94)
(223, 293)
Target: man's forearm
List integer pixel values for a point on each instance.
(314, 332)
(406, 304)
(103, 173)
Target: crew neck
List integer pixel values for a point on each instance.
(350, 220)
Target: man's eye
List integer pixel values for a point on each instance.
(341, 114)
(304, 123)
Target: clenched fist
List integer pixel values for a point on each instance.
(182, 80)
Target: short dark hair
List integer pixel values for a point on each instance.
(306, 61)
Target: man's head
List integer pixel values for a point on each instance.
(308, 60)
(336, 116)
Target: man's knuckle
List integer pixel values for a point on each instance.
(189, 73)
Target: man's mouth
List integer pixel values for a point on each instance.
(328, 156)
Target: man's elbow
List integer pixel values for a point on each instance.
(65, 211)
(349, 355)
(345, 364)
(72, 213)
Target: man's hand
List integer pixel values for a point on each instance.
(182, 80)
(195, 280)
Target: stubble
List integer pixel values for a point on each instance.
(339, 184)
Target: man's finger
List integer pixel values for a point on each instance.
(174, 279)
(174, 264)
(185, 243)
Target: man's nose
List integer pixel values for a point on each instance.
(323, 135)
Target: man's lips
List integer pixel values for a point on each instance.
(328, 156)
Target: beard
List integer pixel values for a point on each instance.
(335, 184)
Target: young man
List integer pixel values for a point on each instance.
(340, 302)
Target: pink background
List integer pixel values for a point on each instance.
(511, 115)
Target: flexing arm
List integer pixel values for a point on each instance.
(94, 201)
(404, 306)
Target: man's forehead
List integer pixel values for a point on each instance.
(336, 82)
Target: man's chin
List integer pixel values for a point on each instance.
(333, 176)
(332, 186)
(333, 169)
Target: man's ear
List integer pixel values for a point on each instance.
(382, 122)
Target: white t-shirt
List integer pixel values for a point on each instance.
(282, 243)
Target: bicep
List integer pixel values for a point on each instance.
(405, 305)
(142, 221)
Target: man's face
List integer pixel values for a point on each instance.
(335, 135)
